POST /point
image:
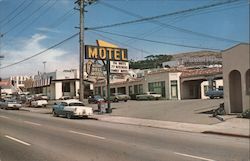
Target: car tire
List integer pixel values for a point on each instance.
(116, 100)
(54, 113)
(211, 97)
(69, 115)
(125, 100)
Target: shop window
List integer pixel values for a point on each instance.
(157, 87)
(66, 86)
(130, 90)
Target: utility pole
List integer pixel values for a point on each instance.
(82, 4)
(45, 77)
(81, 48)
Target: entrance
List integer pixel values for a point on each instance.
(235, 92)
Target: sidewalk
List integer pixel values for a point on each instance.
(231, 127)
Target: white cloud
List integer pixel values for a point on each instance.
(57, 59)
(45, 29)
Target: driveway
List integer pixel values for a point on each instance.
(189, 111)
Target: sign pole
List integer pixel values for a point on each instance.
(109, 110)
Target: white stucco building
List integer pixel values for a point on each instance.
(236, 77)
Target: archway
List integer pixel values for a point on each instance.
(248, 82)
(235, 91)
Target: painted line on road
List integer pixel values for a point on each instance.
(4, 117)
(192, 156)
(33, 123)
(94, 136)
(17, 140)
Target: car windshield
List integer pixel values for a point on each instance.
(76, 104)
(97, 97)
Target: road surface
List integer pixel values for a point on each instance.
(26, 136)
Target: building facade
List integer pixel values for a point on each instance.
(165, 82)
(236, 77)
(59, 83)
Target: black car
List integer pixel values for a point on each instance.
(95, 99)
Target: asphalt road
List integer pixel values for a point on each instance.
(26, 136)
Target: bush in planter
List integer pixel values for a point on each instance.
(246, 114)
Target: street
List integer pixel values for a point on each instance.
(26, 136)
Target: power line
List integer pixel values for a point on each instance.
(163, 15)
(37, 18)
(20, 5)
(125, 44)
(26, 18)
(20, 12)
(159, 42)
(169, 26)
(51, 47)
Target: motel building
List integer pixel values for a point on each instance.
(164, 81)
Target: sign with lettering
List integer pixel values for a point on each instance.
(105, 53)
(119, 67)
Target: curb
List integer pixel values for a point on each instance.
(226, 134)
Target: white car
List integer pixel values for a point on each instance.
(71, 108)
(148, 96)
(10, 104)
(39, 103)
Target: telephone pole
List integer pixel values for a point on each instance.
(82, 4)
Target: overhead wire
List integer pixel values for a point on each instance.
(159, 42)
(37, 18)
(119, 42)
(26, 18)
(19, 13)
(169, 26)
(14, 10)
(39, 53)
(161, 16)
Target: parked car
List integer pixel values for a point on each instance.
(116, 97)
(148, 96)
(95, 99)
(41, 97)
(10, 104)
(39, 103)
(71, 108)
(65, 98)
(215, 93)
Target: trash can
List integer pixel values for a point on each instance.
(102, 105)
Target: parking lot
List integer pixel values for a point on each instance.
(189, 111)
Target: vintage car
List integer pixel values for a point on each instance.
(71, 108)
(10, 104)
(116, 97)
(216, 93)
(95, 99)
(39, 103)
(148, 96)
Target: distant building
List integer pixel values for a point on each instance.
(236, 77)
(59, 83)
(18, 82)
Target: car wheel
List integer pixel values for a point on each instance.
(54, 113)
(125, 100)
(69, 115)
(212, 97)
(116, 100)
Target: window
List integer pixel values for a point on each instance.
(174, 89)
(66, 86)
(138, 89)
(130, 90)
(157, 87)
(205, 88)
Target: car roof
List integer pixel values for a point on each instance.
(71, 101)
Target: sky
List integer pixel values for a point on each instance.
(32, 26)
